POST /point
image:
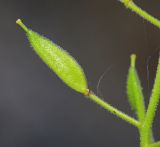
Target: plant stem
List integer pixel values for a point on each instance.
(113, 110)
(156, 144)
(147, 125)
(131, 5)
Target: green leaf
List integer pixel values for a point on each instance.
(134, 90)
(60, 61)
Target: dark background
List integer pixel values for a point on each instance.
(36, 108)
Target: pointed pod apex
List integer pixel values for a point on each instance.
(133, 60)
(20, 23)
(134, 90)
(59, 60)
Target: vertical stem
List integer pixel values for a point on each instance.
(150, 114)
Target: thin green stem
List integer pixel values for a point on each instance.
(150, 114)
(113, 110)
(131, 5)
(156, 144)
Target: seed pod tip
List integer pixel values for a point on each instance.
(20, 23)
(133, 60)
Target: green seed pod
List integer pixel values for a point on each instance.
(134, 90)
(61, 62)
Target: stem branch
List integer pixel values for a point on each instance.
(131, 5)
(156, 144)
(114, 111)
(150, 114)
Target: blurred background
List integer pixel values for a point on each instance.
(36, 108)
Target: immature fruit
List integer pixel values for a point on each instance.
(60, 61)
(134, 90)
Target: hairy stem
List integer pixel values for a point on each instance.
(113, 110)
(156, 144)
(131, 5)
(150, 114)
